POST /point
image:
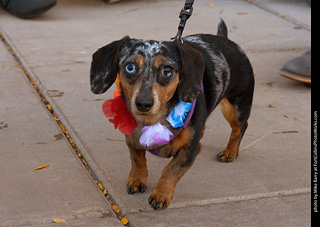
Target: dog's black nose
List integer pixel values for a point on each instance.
(144, 104)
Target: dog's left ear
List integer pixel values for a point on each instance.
(191, 74)
(104, 66)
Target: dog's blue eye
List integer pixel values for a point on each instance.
(130, 68)
(167, 71)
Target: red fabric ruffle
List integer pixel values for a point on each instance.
(117, 112)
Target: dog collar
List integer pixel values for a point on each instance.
(117, 113)
(156, 151)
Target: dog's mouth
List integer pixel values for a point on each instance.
(148, 118)
(144, 114)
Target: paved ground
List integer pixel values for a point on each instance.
(268, 185)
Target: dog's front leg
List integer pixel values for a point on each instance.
(137, 180)
(163, 192)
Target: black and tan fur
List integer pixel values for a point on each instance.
(165, 72)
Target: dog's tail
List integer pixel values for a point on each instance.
(222, 29)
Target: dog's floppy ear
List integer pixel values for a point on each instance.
(104, 66)
(191, 75)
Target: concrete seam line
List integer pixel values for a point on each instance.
(36, 84)
(276, 13)
(243, 198)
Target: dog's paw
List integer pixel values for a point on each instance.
(227, 156)
(134, 185)
(160, 200)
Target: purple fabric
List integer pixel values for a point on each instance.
(155, 134)
(186, 122)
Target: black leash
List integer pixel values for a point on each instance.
(184, 15)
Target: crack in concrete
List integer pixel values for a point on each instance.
(45, 98)
(278, 14)
(242, 198)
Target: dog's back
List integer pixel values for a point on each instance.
(228, 80)
(228, 71)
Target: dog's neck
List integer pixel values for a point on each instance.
(186, 121)
(156, 151)
(152, 137)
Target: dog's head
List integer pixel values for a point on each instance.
(151, 73)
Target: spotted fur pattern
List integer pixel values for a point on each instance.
(164, 72)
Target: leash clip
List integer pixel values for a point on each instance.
(184, 15)
(186, 11)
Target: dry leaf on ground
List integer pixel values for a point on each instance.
(271, 105)
(42, 167)
(124, 221)
(58, 220)
(115, 208)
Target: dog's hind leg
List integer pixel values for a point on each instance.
(238, 125)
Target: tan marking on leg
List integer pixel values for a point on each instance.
(180, 141)
(183, 139)
(231, 152)
(163, 192)
(202, 133)
(137, 180)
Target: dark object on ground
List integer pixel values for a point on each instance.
(299, 68)
(27, 9)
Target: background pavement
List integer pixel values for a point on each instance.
(268, 185)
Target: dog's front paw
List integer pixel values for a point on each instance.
(135, 185)
(227, 155)
(160, 199)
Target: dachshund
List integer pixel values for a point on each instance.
(154, 75)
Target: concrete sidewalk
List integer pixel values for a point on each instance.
(268, 185)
